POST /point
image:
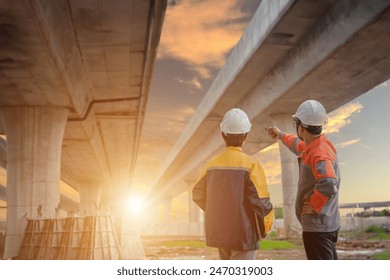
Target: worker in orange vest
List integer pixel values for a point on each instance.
(317, 198)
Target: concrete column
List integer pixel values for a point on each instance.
(290, 176)
(193, 210)
(34, 139)
(3, 153)
(195, 217)
(105, 201)
(90, 197)
(131, 243)
(128, 225)
(168, 205)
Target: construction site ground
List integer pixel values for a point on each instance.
(357, 248)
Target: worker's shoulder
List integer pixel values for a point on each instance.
(324, 149)
(249, 158)
(232, 157)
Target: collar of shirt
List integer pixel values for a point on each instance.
(314, 143)
(234, 148)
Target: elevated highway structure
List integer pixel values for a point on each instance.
(331, 51)
(74, 81)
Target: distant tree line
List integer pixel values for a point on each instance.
(278, 212)
(369, 213)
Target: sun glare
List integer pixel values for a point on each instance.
(135, 205)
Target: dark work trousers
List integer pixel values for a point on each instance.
(320, 245)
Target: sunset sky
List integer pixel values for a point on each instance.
(196, 39)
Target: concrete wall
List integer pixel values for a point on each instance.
(358, 224)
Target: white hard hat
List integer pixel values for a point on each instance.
(311, 112)
(235, 121)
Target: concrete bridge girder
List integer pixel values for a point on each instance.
(345, 42)
(56, 57)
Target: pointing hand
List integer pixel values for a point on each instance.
(273, 132)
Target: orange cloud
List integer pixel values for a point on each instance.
(340, 117)
(193, 83)
(201, 33)
(348, 143)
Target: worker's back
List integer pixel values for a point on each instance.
(233, 182)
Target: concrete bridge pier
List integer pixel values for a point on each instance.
(127, 224)
(195, 217)
(290, 175)
(34, 142)
(194, 212)
(130, 239)
(90, 197)
(105, 201)
(168, 208)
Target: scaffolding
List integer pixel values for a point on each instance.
(88, 238)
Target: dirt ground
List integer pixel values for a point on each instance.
(356, 249)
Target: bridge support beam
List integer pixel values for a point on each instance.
(90, 197)
(194, 211)
(3, 153)
(168, 208)
(290, 174)
(34, 139)
(105, 201)
(130, 239)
